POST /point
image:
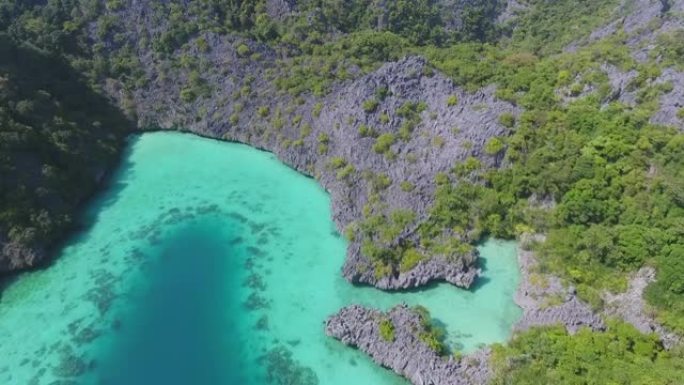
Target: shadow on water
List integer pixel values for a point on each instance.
(427, 287)
(107, 195)
(110, 191)
(439, 330)
(482, 279)
(94, 146)
(5, 282)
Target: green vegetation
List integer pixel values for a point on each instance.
(305, 130)
(243, 50)
(406, 186)
(366, 131)
(507, 119)
(410, 113)
(494, 146)
(370, 105)
(550, 26)
(345, 172)
(666, 293)
(377, 229)
(57, 138)
(234, 118)
(383, 143)
(386, 328)
(452, 101)
(344, 169)
(430, 334)
(263, 111)
(410, 259)
(671, 48)
(323, 141)
(317, 108)
(621, 355)
(337, 162)
(437, 142)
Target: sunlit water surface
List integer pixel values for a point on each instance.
(213, 263)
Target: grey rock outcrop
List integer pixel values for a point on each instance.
(671, 102)
(619, 83)
(642, 22)
(549, 303)
(631, 307)
(280, 9)
(406, 355)
(243, 103)
(457, 273)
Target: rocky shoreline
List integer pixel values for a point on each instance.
(456, 273)
(315, 133)
(405, 354)
(544, 301)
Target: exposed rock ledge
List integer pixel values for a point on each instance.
(549, 303)
(463, 129)
(406, 355)
(436, 269)
(632, 307)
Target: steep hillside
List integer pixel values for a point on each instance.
(58, 139)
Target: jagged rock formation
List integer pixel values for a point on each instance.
(241, 101)
(671, 102)
(643, 22)
(406, 354)
(632, 307)
(460, 273)
(333, 125)
(549, 303)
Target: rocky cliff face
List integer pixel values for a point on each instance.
(243, 104)
(641, 23)
(227, 88)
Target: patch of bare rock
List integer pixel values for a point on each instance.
(631, 307)
(406, 354)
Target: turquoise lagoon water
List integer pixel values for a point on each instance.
(212, 263)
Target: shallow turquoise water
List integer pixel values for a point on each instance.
(213, 263)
